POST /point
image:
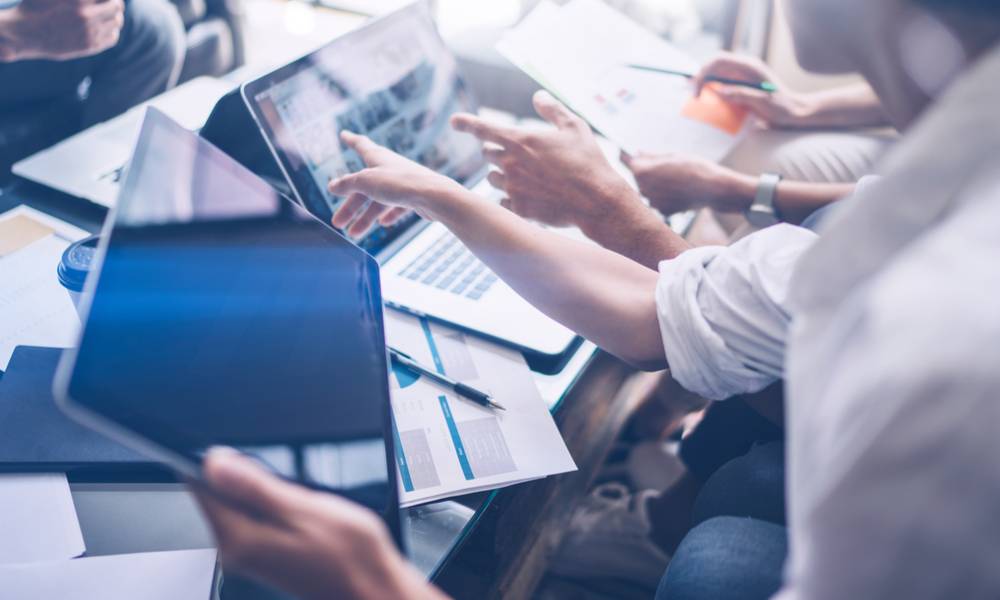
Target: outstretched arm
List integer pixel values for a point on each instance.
(674, 183)
(602, 295)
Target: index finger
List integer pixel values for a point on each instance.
(485, 131)
(362, 144)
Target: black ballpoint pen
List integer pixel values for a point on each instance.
(467, 391)
(765, 86)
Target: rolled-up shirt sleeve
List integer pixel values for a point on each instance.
(723, 311)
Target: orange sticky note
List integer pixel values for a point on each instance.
(18, 231)
(711, 109)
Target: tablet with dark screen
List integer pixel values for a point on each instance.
(220, 313)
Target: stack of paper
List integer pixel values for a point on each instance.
(40, 540)
(35, 310)
(37, 519)
(447, 445)
(175, 575)
(580, 52)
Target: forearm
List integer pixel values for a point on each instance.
(793, 200)
(635, 231)
(853, 106)
(604, 296)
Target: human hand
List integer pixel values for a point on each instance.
(557, 176)
(674, 183)
(387, 188)
(59, 29)
(781, 109)
(313, 545)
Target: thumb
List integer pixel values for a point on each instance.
(240, 481)
(626, 158)
(759, 102)
(553, 111)
(745, 97)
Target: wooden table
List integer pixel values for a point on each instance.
(507, 551)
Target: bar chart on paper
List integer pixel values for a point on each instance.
(447, 445)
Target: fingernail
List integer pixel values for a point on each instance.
(228, 466)
(221, 451)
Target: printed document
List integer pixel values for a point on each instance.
(37, 520)
(35, 310)
(580, 52)
(174, 575)
(447, 445)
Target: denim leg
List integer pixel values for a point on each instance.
(752, 485)
(727, 558)
(146, 61)
(729, 430)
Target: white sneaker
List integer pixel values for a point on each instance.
(654, 465)
(608, 538)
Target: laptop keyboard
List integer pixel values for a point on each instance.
(448, 265)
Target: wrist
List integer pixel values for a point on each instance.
(447, 204)
(809, 111)
(736, 193)
(614, 206)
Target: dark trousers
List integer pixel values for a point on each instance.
(738, 542)
(46, 100)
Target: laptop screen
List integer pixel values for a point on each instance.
(224, 314)
(393, 80)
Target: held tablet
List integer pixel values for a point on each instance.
(220, 313)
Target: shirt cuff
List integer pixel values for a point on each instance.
(698, 356)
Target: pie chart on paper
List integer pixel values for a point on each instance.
(404, 377)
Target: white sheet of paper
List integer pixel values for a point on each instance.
(448, 445)
(175, 575)
(580, 52)
(35, 309)
(37, 520)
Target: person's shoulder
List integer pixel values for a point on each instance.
(941, 294)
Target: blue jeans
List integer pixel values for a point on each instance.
(727, 558)
(737, 547)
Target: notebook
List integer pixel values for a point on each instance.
(36, 436)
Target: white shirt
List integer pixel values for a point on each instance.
(892, 322)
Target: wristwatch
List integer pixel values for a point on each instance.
(762, 212)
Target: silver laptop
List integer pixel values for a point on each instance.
(89, 164)
(396, 81)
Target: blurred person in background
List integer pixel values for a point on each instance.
(109, 54)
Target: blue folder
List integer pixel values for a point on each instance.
(35, 436)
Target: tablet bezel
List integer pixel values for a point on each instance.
(189, 465)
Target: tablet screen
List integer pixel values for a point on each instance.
(393, 80)
(224, 314)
